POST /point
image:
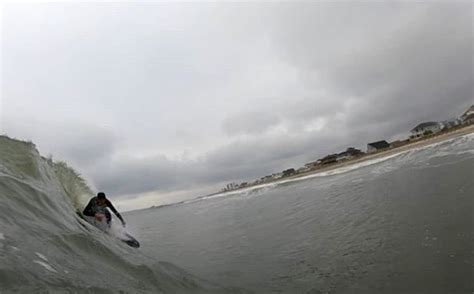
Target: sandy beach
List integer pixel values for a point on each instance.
(380, 154)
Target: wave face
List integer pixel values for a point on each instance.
(46, 247)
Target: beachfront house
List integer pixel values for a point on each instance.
(332, 158)
(350, 153)
(277, 175)
(303, 169)
(265, 179)
(430, 127)
(311, 165)
(289, 172)
(451, 123)
(376, 146)
(468, 116)
(231, 186)
(243, 184)
(469, 119)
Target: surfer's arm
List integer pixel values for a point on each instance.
(88, 210)
(111, 207)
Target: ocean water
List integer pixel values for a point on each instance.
(401, 224)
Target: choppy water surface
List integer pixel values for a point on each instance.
(403, 225)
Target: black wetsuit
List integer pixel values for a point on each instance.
(93, 207)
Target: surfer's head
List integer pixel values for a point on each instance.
(101, 197)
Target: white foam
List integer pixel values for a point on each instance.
(118, 231)
(373, 161)
(234, 192)
(340, 170)
(45, 265)
(41, 256)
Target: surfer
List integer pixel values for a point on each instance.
(97, 207)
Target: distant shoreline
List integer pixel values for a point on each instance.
(426, 141)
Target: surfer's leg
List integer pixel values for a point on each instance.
(108, 216)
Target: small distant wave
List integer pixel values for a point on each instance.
(266, 186)
(254, 189)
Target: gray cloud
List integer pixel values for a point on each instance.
(250, 123)
(238, 160)
(172, 96)
(80, 143)
(418, 64)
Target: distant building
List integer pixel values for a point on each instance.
(426, 127)
(469, 111)
(468, 116)
(451, 123)
(231, 186)
(375, 146)
(313, 164)
(277, 175)
(244, 184)
(350, 153)
(303, 169)
(329, 159)
(289, 172)
(469, 119)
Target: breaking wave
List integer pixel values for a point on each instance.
(46, 247)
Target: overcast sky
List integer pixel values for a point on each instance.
(157, 102)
